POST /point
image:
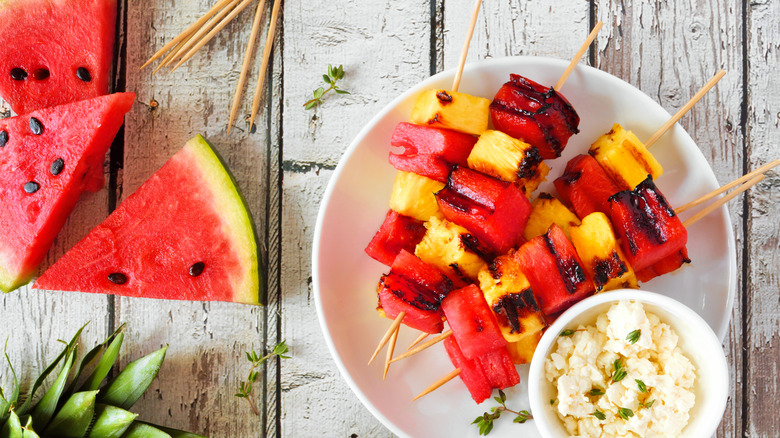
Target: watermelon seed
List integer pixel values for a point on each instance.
(117, 278)
(197, 269)
(57, 166)
(83, 74)
(18, 74)
(40, 74)
(3, 138)
(31, 187)
(36, 126)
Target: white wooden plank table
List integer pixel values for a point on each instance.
(667, 49)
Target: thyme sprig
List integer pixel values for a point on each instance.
(619, 373)
(334, 75)
(485, 421)
(245, 387)
(633, 337)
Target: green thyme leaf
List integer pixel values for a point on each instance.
(552, 401)
(641, 385)
(625, 413)
(245, 387)
(619, 373)
(598, 414)
(634, 336)
(647, 405)
(596, 392)
(333, 75)
(567, 332)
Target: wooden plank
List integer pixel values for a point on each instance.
(762, 340)
(384, 48)
(208, 341)
(669, 50)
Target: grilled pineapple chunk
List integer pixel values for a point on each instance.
(597, 246)
(548, 210)
(625, 158)
(523, 350)
(413, 196)
(508, 293)
(447, 109)
(443, 247)
(508, 159)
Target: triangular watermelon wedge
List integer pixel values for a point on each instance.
(46, 158)
(185, 234)
(55, 51)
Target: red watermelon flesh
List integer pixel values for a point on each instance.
(185, 234)
(45, 159)
(55, 51)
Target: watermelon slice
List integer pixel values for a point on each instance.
(45, 163)
(55, 51)
(185, 234)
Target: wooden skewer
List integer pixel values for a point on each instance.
(187, 32)
(439, 383)
(419, 339)
(687, 107)
(250, 48)
(390, 349)
(269, 43)
(465, 51)
(727, 187)
(387, 335)
(169, 57)
(753, 181)
(578, 56)
(422, 347)
(195, 37)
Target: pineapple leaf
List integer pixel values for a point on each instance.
(12, 427)
(75, 416)
(15, 393)
(111, 422)
(27, 429)
(104, 365)
(88, 358)
(126, 388)
(174, 433)
(45, 408)
(143, 430)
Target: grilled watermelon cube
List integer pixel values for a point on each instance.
(535, 114)
(435, 285)
(554, 270)
(625, 158)
(600, 253)
(499, 368)
(548, 210)
(413, 196)
(430, 152)
(508, 159)
(447, 109)
(398, 294)
(669, 264)
(585, 186)
(648, 228)
(471, 372)
(446, 246)
(495, 211)
(472, 322)
(396, 233)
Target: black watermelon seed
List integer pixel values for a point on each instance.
(57, 166)
(36, 126)
(31, 187)
(197, 269)
(41, 74)
(3, 138)
(83, 74)
(18, 74)
(117, 278)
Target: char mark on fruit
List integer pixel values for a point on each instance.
(512, 308)
(639, 203)
(529, 167)
(444, 98)
(606, 269)
(571, 272)
(410, 292)
(551, 97)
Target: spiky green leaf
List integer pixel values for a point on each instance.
(45, 408)
(89, 358)
(75, 416)
(12, 427)
(143, 430)
(111, 422)
(174, 433)
(104, 364)
(126, 388)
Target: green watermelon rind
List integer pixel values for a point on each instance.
(234, 210)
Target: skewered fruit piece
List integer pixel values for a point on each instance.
(554, 270)
(429, 152)
(535, 114)
(499, 368)
(413, 196)
(625, 158)
(669, 264)
(585, 186)
(522, 351)
(472, 322)
(446, 246)
(471, 372)
(451, 110)
(494, 211)
(648, 228)
(508, 293)
(414, 287)
(601, 256)
(396, 233)
(508, 159)
(548, 210)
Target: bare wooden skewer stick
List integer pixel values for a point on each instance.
(169, 57)
(687, 107)
(250, 48)
(465, 51)
(761, 170)
(419, 339)
(439, 383)
(753, 181)
(578, 56)
(387, 335)
(188, 31)
(269, 43)
(422, 347)
(390, 349)
(195, 37)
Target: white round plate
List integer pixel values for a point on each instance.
(356, 202)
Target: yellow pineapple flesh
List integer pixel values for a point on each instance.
(442, 246)
(413, 195)
(597, 246)
(508, 159)
(451, 110)
(625, 158)
(523, 350)
(548, 210)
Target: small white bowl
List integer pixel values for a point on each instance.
(696, 339)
